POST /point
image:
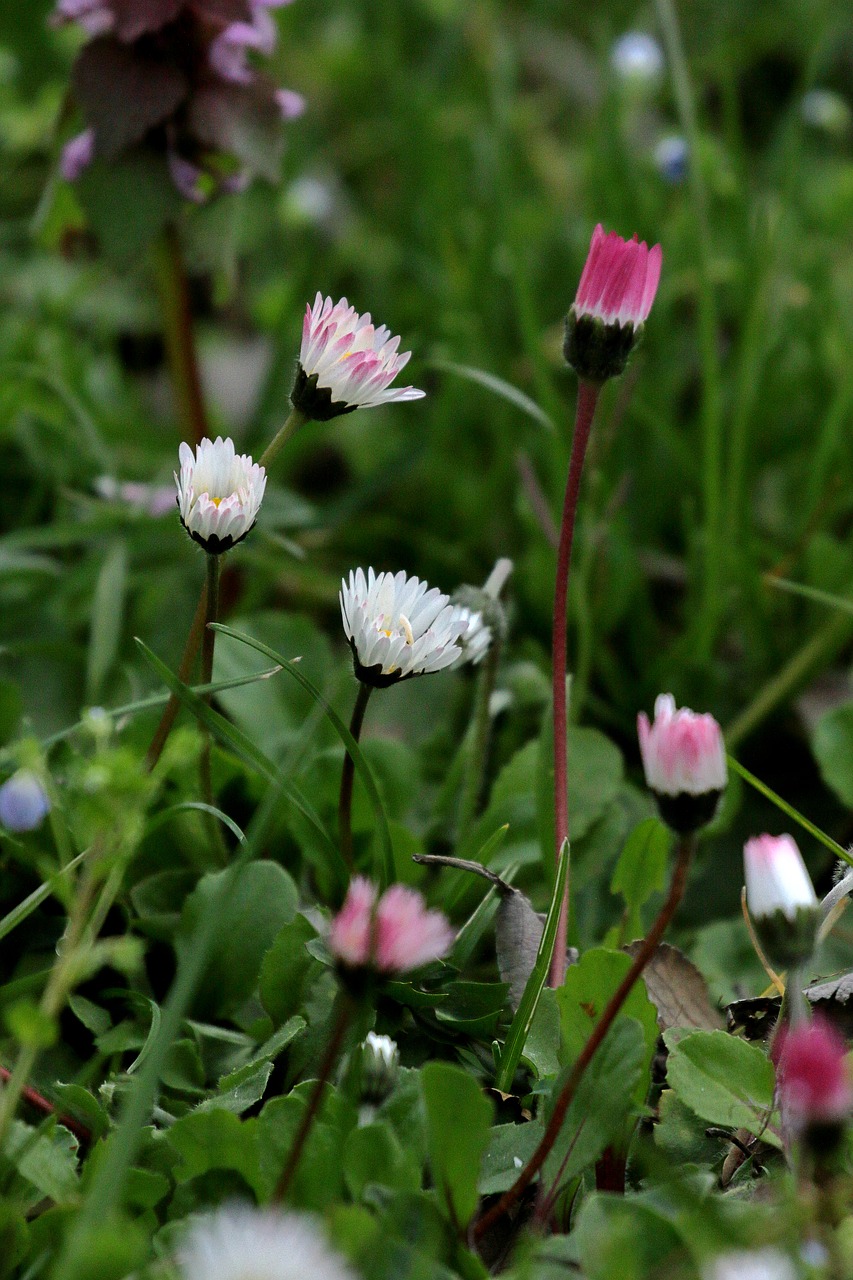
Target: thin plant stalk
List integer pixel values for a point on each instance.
(207, 647)
(348, 775)
(330, 1057)
(587, 400)
(478, 754)
(294, 421)
(173, 706)
(686, 847)
(180, 335)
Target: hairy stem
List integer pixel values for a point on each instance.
(330, 1057)
(180, 335)
(587, 400)
(173, 706)
(348, 775)
(686, 847)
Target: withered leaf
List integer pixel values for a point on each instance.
(124, 92)
(678, 990)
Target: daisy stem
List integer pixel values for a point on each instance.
(588, 393)
(478, 755)
(330, 1057)
(686, 848)
(348, 775)
(295, 420)
(179, 334)
(185, 670)
(207, 646)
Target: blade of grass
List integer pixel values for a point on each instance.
(24, 909)
(200, 807)
(499, 388)
(524, 1014)
(350, 745)
(809, 593)
(790, 811)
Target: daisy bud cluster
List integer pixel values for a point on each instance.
(684, 760)
(346, 362)
(391, 934)
(614, 297)
(399, 627)
(814, 1089)
(219, 494)
(238, 1241)
(178, 80)
(781, 898)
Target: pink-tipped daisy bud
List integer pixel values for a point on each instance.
(346, 363)
(388, 935)
(23, 802)
(238, 1241)
(219, 494)
(781, 898)
(684, 761)
(398, 627)
(615, 295)
(813, 1083)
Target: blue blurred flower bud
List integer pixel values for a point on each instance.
(23, 802)
(823, 109)
(672, 155)
(638, 60)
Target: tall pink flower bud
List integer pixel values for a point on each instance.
(615, 295)
(684, 761)
(781, 898)
(813, 1083)
(391, 934)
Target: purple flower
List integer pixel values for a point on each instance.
(23, 802)
(77, 155)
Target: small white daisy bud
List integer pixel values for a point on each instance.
(398, 627)
(346, 363)
(219, 494)
(238, 1242)
(781, 898)
(380, 1066)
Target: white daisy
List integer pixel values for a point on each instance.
(219, 493)
(242, 1243)
(346, 363)
(398, 626)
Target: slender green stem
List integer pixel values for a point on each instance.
(179, 334)
(173, 706)
(295, 420)
(686, 847)
(588, 395)
(330, 1057)
(207, 647)
(475, 770)
(348, 775)
(711, 416)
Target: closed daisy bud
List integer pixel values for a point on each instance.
(398, 627)
(684, 761)
(813, 1083)
(380, 1067)
(615, 295)
(781, 898)
(23, 802)
(237, 1242)
(389, 934)
(346, 363)
(751, 1264)
(219, 494)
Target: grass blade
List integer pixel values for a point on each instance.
(792, 813)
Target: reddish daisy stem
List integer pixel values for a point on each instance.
(40, 1103)
(588, 393)
(686, 846)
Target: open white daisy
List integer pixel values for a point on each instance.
(346, 362)
(219, 493)
(398, 626)
(242, 1243)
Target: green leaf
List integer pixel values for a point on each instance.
(723, 1079)
(833, 748)
(510, 1148)
(612, 1087)
(619, 1239)
(263, 900)
(373, 1155)
(641, 869)
(588, 987)
(458, 1131)
(285, 969)
(107, 615)
(46, 1158)
(596, 772)
(128, 201)
(215, 1139)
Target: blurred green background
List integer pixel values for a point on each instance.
(452, 162)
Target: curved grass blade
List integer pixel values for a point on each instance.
(809, 593)
(24, 909)
(247, 751)
(159, 819)
(350, 744)
(792, 813)
(498, 387)
(521, 1023)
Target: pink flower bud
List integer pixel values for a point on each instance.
(77, 155)
(392, 935)
(813, 1081)
(684, 761)
(776, 877)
